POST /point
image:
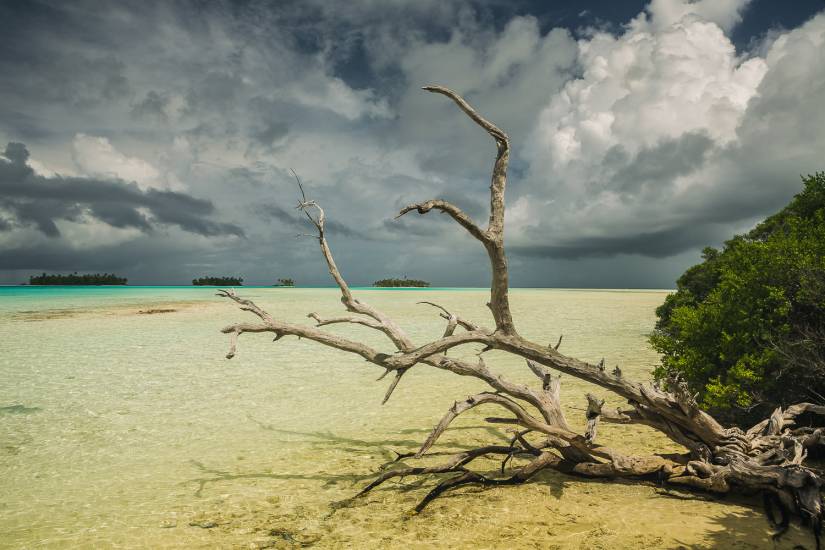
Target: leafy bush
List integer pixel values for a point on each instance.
(746, 327)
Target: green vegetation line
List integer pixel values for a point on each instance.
(218, 281)
(75, 279)
(401, 283)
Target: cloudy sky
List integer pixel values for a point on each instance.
(155, 139)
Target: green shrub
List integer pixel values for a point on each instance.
(746, 327)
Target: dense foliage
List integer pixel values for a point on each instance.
(75, 279)
(285, 282)
(401, 282)
(218, 281)
(746, 327)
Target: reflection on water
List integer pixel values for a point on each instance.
(125, 429)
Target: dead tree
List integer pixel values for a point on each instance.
(769, 457)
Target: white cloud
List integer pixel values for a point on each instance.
(96, 156)
(645, 86)
(724, 13)
(41, 168)
(670, 134)
(524, 212)
(332, 93)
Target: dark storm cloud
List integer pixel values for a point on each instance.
(656, 244)
(22, 125)
(434, 223)
(56, 256)
(41, 201)
(268, 132)
(410, 227)
(647, 175)
(153, 105)
(668, 159)
(82, 79)
(473, 207)
(298, 223)
(214, 91)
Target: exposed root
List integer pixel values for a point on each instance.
(773, 502)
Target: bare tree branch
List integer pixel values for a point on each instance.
(466, 325)
(372, 323)
(473, 401)
(494, 241)
(454, 212)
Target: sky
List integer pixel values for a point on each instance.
(156, 139)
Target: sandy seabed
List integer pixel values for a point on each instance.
(126, 429)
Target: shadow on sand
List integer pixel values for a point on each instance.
(737, 529)
(748, 529)
(393, 451)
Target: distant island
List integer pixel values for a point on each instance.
(218, 281)
(401, 283)
(285, 282)
(75, 279)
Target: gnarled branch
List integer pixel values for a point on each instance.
(452, 210)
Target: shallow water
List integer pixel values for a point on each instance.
(130, 430)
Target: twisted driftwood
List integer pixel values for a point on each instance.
(769, 458)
